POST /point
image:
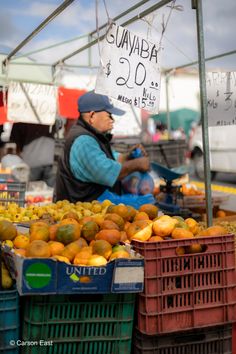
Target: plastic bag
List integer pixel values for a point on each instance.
(138, 183)
(128, 199)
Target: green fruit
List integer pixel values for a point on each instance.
(117, 248)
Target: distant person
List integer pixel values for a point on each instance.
(35, 145)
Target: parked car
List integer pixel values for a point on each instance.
(222, 148)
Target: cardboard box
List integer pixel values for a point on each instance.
(47, 276)
(33, 275)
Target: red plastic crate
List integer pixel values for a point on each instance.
(234, 338)
(182, 292)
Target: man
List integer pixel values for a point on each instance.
(88, 167)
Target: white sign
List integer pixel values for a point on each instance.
(32, 103)
(130, 69)
(221, 98)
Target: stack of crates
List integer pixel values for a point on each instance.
(189, 300)
(79, 324)
(9, 322)
(12, 192)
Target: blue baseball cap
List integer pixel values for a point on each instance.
(92, 101)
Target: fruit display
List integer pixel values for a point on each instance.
(91, 233)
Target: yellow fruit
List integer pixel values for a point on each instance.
(8, 243)
(21, 241)
(119, 254)
(140, 230)
(96, 261)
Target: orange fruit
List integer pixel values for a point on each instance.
(71, 250)
(111, 236)
(119, 254)
(220, 214)
(53, 231)
(155, 239)
(216, 230)
(7, 230)
(192, 224)
(20, 252)
(131, 212)
(121, 210)
(123, 236)
(109, 225)
(82, 257)
(61, 258)
(180, 251)
(38, 249)
(41, 233)
(141, 215)
(56, 247)
(89, 230)
(150, 209)
(164, 226)
(70, 215)
(117, 219)
(21, 241)
(69, 221)
(103, 248)
(98, 218)
(68, 233)
(96, 261)
(194, 248)
(140, 230)
(37, 224)
(180, 233)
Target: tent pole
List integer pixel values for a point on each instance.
(126, 23)
(167, 79)
(55, 13)
(197, 5)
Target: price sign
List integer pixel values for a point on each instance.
(32, 103)
(221, 98)
(130, 69)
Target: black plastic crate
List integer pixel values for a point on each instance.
(170, 153)
(213, 340)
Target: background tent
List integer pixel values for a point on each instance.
(180, 118)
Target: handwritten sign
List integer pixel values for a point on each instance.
(221, 98)
(130, 69)
(32, 103)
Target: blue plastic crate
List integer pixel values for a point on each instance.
(9, 321)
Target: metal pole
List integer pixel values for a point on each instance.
(128, 22)
(167, 106)
(55, 13)
(197, 4)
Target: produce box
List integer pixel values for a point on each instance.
(32, 275)
(119, 275)
(47, 276)
(85, 324)
(186, 291)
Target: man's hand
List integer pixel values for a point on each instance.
(141, 164)
(137, 146)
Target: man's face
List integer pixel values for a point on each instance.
(102, 121)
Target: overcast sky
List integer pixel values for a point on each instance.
(19, 17)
